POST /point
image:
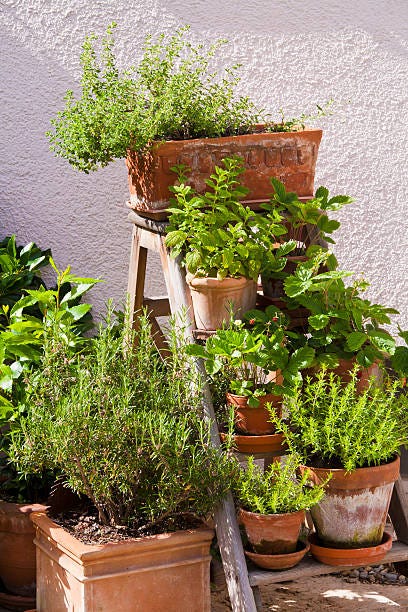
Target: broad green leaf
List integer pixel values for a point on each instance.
(382, 340)
(176, 237)
(301, 358)
(399, 360)
(294, 286)
(79, 311)
(319, 321)
(6, 377)
(355, 340)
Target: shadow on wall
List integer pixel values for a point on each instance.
(81, 217)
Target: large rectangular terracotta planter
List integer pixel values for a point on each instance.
(164, 573)
(288, 156)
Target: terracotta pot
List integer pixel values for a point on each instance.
(164, 573)
(273, 287)
(344, 369)
(17, 551)
(279, 562)
(254, 421)
(272, 534)
(352, 557)
(288, 156)
(273, 444)
(353, 512)
(213, 299)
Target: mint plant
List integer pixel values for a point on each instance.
(278, 490)
(215, 234)
(337, 426)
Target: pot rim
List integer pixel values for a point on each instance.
(223, 139)
(212, 281)
(258, 515)
(360, 478)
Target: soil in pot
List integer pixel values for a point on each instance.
(280, 562)
(353, 512)
(357, 557)
(254, 421)
(272, 534)
(214, 301)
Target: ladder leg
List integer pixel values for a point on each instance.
(258, 598)
(137, 273)
(399, 511)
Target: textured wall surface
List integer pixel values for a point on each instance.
(294, 55)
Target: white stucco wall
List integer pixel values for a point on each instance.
(294, 54)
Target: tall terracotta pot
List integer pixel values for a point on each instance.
(344, 369)
(17, 550)
(163, 573)
(288, 156)
(353, 512)
(272, 534)
(214, 299)
(254, 421)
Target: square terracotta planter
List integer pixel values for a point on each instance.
(164, 573)
(288, 156)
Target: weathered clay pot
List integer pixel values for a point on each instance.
(279, 562)
(288, 156)
(214, 299)
(163, 573)
(353, 512)
(272, 534)
(351, 557)
(17, 550)
(254, 421)
(273, 444)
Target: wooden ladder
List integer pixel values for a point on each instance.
(243, 583)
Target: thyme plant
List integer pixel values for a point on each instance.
(334, 425)
(278, 490)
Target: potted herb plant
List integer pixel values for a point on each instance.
(344, 328)
(125, 430)
(272, 511)
(307, 222)
(222, 243)
(28, 310)
(260, 368)
(173, 108)
(355, 436)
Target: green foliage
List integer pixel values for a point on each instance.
(333, 424)
(298, 123)
(399, 359)
(123, 427)
(172, 94)
(342, 324)
(214, 233)
(248, 357)
(26, 324)
(278, 490)
(298, 213)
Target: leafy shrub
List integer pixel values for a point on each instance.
(124, 428)
(335, 425)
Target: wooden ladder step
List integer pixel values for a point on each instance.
(310, 567)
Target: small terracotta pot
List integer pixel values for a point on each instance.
(352, 557)
(213, 299)
(353, 512)
(279, 562)
(272, 534)
(254, 421)
(289, 156)
(273, 444)
(17, 550)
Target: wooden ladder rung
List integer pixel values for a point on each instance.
(310, 567)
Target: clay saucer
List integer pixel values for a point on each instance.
(279, 562)
(268, 443)
(350, 556)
